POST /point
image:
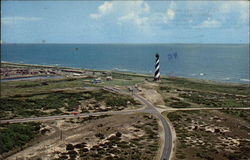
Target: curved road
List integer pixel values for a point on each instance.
(166, 128)
(149, 108)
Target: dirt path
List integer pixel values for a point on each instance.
(149, 97)
(77, 131)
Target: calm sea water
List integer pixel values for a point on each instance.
(203, 61)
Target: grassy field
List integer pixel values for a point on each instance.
(114, 146)
(62, 102)
(131, 136)
(211, 135)
(180, 93)
(26, 98)
(12, 88)
(44, 97)
(208, 135)
(200, 134)
(208, 86)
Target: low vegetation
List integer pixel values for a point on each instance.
(17, 135)
(239, 114)
(206, 86)
(118, 145)
(180, 97)
(61, 102)
(210, 135)
(216, 99)
(200, 134)
(130, 136)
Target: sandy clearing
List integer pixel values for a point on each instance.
(48, 147)
(152, 96)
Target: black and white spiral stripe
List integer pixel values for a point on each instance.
(157, 67)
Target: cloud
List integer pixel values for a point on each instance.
(223, 14)
(135, 12)
(209, 23)
(106, 7)
(138, 15)
(13, 20)
(230, 6)
(95, 15)
(170, 14)
(244, 11)
(134, 18)
(103, 9)
(239, 8)
(143, 14)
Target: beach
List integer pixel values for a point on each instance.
(219, 62)
(174, 107)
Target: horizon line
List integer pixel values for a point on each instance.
(133, 43)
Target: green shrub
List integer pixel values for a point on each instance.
(174, 116)
(179, 104)
(99, 135)
(118, 134)
(69, 147)
(80, 145)
(17, 135)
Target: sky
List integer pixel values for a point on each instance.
(125, 21)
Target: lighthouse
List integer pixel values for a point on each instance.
(157, 67)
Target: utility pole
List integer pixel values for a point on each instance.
(61, 135)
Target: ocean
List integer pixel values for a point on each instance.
(219, 62)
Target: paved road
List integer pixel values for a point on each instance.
(149, 108)
(166, 128)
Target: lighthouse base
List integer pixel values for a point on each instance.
(157, 80)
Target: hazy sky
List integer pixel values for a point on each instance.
(125, 22)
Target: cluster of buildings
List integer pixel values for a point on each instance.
(6, 72)
(99, 80)
(23, 72)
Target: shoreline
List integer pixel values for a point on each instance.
(155, 43)
(243, 83)
(58, 99)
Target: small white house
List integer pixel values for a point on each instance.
(109, 78)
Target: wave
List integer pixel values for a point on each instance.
(226, 78)
(120, 69)
(245, 80)
(55, 64)
(198, 74)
